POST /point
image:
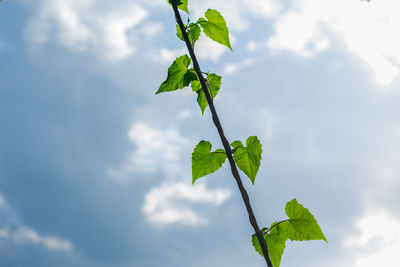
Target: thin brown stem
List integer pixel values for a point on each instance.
(275, 225)
(224, 140)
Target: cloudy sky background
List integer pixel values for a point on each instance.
(95, 169)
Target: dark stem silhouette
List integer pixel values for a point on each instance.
(225, 142)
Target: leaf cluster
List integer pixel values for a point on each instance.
(300, 226)
(247, 158)
(179, 73)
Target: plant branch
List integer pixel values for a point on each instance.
(217, 152)
(191, 37)
(275, 225)
(209, 89)
(225, 142)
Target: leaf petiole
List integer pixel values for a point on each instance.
(209, 88)
(191, 36)
(269, 229)
(219, 152)
(234, 150)
(193, 24)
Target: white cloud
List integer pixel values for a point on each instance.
(13, 230)
(169, 55)
(155, 150)
(388, 256)
(368, 29)
(4, 233)
(152, 28)
(300, 34)
(87, 24)
(184, 114)
(162, 150)
(26, 235)
(267, 122)
(254, 45)
(376, 225)
(171, 203)
(237, 13)
(384, 228)
(207, 49)
(232, 68)
(115, 30)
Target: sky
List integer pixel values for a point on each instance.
(95, 169)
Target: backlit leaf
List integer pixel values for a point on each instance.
(179, 76)
(181, 4)
(214, 82)
(302, 225)
(256, 244)
(236, 144)
(193, 31)
(204, 161)
(248, 158)
(214, 26)
(275, 243)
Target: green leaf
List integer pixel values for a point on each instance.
(214, 82)
(193, 32)
(236, 144)
(248, 158)
(204, 161)
(256, 244)
(276, 245)
(301, 225)
(181, 4)
(179, 76)
(214, 26)
(196, 85)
